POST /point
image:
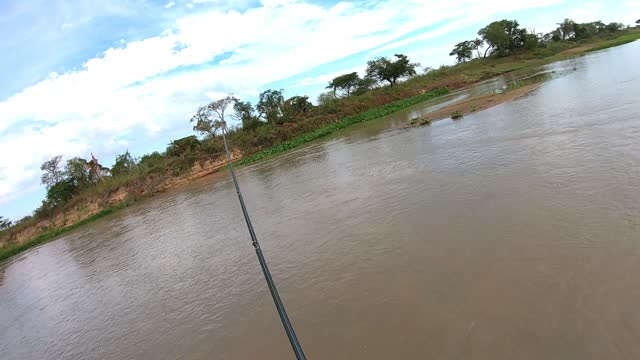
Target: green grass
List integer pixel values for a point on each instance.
(621, 40)
(345, 122)
(11, 250)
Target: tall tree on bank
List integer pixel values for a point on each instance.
(244, 112)
(463, 51)
(5, 223)
(502, 37)
(270, 104)
(211, 117)
(566, 28)
(383, 69)
(52, 173)
(346, 83)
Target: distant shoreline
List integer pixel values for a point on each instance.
(34, 236)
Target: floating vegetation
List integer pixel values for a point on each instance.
(457, 115)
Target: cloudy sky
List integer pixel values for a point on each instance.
(81, 76)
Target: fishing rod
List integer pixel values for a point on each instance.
(288, 328)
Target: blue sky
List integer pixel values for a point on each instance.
(80, 77)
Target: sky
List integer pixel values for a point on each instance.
(79, 77)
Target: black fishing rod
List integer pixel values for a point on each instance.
(288, 328)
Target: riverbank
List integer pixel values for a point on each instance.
(371, 105)
(471, 105)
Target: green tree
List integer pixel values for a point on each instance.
(383, 69)
(211, 117)
(125, 164)
(477, 44)
(531, 41)
(270, 103)
(502, 37)
(52, 171)
(614, 27)
(296, 106)
(346, 83)
(566, 28)
(246, 114)
(61, 192)
(183, 146)
(77, 172)
(364, 84)
(5, 223)
(463, 51)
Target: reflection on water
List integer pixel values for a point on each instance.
(512, 233)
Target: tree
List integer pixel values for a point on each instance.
(244, 112)
(52, 172)
(61, 192)
(383, 69)
(326, 98)
(614, 27)
(96, 170)
(531, 41)
(477, 44)
(5, 223)
(270, 105)
(77, 172)
(182, 146)
(364, 84)
(211, 117)
(638, 22)
(502, 37)
(346, 83)
(296, 106)
(463, 51)
(566, 28)
(125, 163)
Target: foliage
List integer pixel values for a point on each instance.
(296, 106)
(420, 121)
(364, 84)
(77, 172)
(246, 114)
(5, 223)
(211, 117)
(270, 104)
(371, 114)
(61, 192)
(124, 165)
(503, 37)
(383, 69)
(463, 51)
(566, 28)
(52, 172)
(181, 147)
(457, 115)
(345, 83)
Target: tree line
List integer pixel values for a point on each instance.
(504, 37)
(274, 118)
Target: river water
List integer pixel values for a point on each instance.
(513, 233)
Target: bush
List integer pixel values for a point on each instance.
(61, 192)
(457, 115)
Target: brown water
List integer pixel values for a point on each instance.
(513, 233)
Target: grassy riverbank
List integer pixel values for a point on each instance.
(162, 171)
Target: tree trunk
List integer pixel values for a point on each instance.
(486, 51)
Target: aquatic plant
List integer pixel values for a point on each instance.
(457, 115)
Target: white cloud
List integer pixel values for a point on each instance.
(169, 5)
(148, 84)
